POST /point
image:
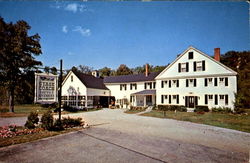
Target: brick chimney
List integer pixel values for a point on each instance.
(217, 54)
(146, 70)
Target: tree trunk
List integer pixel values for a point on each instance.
(11, 100)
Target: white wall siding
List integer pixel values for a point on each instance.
(97, 92)
(77, 85)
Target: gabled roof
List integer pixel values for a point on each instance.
(90, 81)
(190, 47)
(131, 78)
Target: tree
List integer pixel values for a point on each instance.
(53, 70)
(239, 62)
(105, 71)
(85, 69)
(46, 69)
(123, 70)
(17, 51)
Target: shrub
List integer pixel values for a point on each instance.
(201, 109)
(222, 110)
(58, 126)
(138, 108)
(179, 108)
(182, 109)
(239, 110)
(69, 108)
(47, 120)
(71, 122)
(32, 120)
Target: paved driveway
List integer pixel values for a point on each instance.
(118, 137)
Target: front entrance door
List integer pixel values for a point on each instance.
(149, 100)
(191, 101)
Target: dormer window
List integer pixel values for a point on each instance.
(71, 78)
(191, 55)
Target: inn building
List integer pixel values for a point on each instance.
(193, 78)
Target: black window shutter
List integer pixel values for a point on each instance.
(194, 66)
(215, 82)
(162, 99)
(186, 101)
(135, 86)
(125, 87)
(205, 82)
(169, 83)
(187, 67)
(145, 85)
(194, 82)
(179, 67)
(196, 100)
(216, 99)
(162, 84)
(203, 66)
(205, 99)
(177, 100)
(186, 82)
(226, 99)
(169, 99)
(130, 86)
(177, 83)
(226, 81)
(120, 87)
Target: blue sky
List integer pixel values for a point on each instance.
(99, 34)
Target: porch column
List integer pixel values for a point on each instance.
(145, 101)
(135, 101)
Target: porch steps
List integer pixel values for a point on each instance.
(149, 109)
(190, 109)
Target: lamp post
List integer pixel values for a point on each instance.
(60, 90)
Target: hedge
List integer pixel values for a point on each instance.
(179, 108)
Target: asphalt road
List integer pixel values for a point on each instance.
(118, 137)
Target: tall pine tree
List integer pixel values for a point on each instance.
(17, 51)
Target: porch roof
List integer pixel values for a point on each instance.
(146, 92)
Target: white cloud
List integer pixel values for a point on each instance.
(72, 7)
(65, 29)
(83, 31)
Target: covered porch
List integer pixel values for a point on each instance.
(143, 98)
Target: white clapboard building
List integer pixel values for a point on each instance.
(81, 90)
(192, 79)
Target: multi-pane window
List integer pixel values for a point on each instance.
(199, 66)
(183, 67)
(133, 86)
(222, 97)
(210, 97)
(149, 85)
(123, 87)
(191, 82)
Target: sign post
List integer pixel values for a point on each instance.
(60, 90)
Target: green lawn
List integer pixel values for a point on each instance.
(24, 110)
(133, 111)
(231, 121)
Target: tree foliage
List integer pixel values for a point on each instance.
(17, 51)
(123, 70)
(105, 71)
(239, 62)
